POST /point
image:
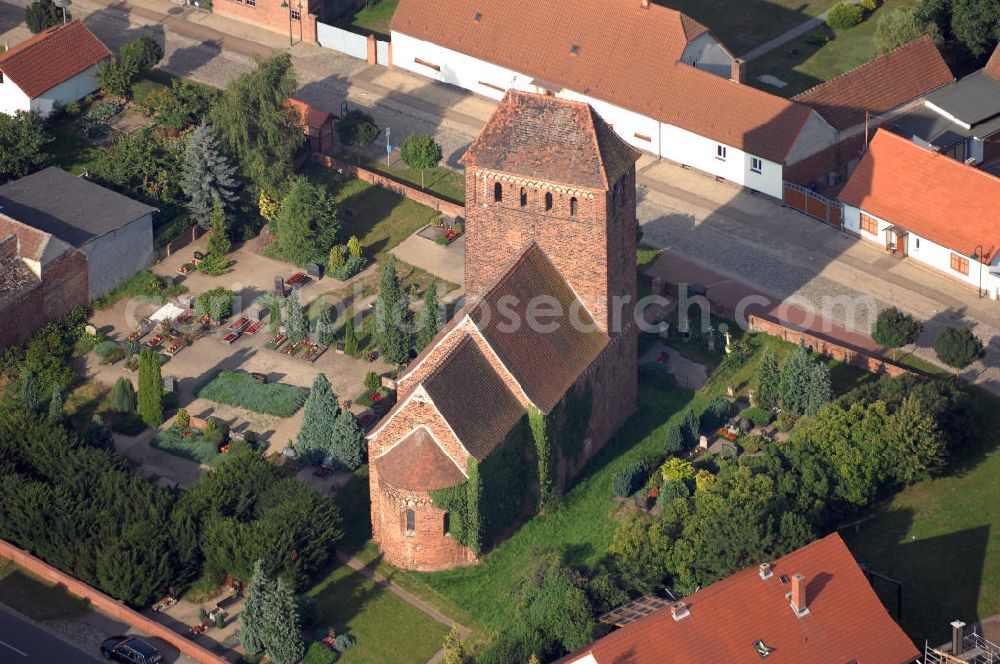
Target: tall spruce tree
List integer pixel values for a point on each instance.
(296, 326)
(319, 419)
(31, 396)
(350, 339)
(430, 319)
(254, 618)
(392, 316)
(804, 385)
(768, 378)
(208, 179)
(324, 327)
(218, 241)
(347, 442)
(57, 411)
(283, 641)
(150, 388)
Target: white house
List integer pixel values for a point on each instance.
(923, 205)
(656, 75)
(56, 66)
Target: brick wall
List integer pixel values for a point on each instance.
(838, 157)
(106, 604)
(63, 287)
(423, 197)
(8, 247)
(271, 15)
(818, 344)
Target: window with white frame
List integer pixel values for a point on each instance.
(756, 164)
(720, 152)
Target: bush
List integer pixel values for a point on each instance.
(785, 421)
(458, 227)
(117, 354)
(674, 440)
(216, 303)
(357, 129)
(352, 265)
(372, 381)
(958, 348)
(630, 479)
(72, 109)
(318, 653)
(443, 241)
(844, 16)
(752, 444)
(342, 643)
(183, 420)
(129, 424)
(104, 348)
(894, 329)
(213, 432)
(240, 389)
(869, 5)
(758, 416)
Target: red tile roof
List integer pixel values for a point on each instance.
(845, 622)
(311, 117)
(881, 85)
(551, 139)
(993, 64)
(625, 54)
(544, 362)
(417, 463)
(52, 57)
(927, 193)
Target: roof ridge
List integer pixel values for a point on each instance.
(34, 40)
(952, 163)
(863, 65)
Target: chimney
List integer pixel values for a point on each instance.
(9, 247)
(679, 610)
(738, 70)
(799, 600)
(644, 4)
(765, 571)
(957, 637)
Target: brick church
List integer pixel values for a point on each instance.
(538, 370)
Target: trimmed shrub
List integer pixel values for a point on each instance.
(357, 129)
(351, 266)
(318, 653)
(630, 479)
(105, 348)
(844, 16)
(123, 397)
(958, 348)
(129, 424)
(183, 420)
(894, 329)
(240, 389)
(785, 421)
(690, 427)
(342, 643)
(757, 416)
(372, 381)
(674, 440)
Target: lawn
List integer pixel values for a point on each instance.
(440, 180)
(383, 626)
(69, 150)
(240, 389)
(819, 55)
(744, 24)
(378, 217)
(373, 17)
(36, 598)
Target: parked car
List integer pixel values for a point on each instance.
(131, 650)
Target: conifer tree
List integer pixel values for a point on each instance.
(296, 326)
(392, 316)
(283, 641)
(208, 178)
(804, 385)
(254, 619)
(324, 327)
(768, 378)
(123, 399)
(31, 395)
(150, 388)
(350, 339)
(347, 442)
(319, 419)
(218, 241)
(429, 320)
(57, 412)
(98, 434)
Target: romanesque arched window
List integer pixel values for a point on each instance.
(497, 192)
(572, 207)
(548, 201)
(411, 521)
(524, 197)
(446, 525)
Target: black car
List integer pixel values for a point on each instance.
(131, 650)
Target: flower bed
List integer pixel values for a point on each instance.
(276, 342)
(240, 389)
(725, 433)
(383, 397)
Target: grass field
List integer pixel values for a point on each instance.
(374, 17)
(384, 627)
(441, 180)
(35, 598)
(378, 217)
(820, 55)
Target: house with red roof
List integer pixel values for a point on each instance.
(921, 204)
(56, 66)
(658, 77)
(813, 606)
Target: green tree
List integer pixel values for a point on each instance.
(350, 339)
(98, 434)
(306, 226)
(23, 138)
(215, 262)
(976, 24)
(454, 649)
(141, 54)
(208, 178)
(899, 27)
(57, 410)
(357, 129)
(347, 444)
(150, 406)
(768, 379)
(254, 627)
(43, 14)
(421, 151)
(429, 320)
(325, 333)
(894, 329)
(805, 385)
(123, 398)
(143, 164)
(922, 447)
(282, 640)
(957, 348)
(319, 419)
(296, 325)
(31, 394)
(116, 76)
(392, 316)
(640, 549)
(256, 125)
(844, 15)
(217, 303)
(354, 247)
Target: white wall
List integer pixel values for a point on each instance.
(705, 52)
(815, 135)
(12, 99)
(699, 152)
(73, 89)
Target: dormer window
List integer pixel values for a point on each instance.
(497, 192)
(548, 201)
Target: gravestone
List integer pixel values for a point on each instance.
(279, 287)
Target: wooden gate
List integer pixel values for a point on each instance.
(816, 206)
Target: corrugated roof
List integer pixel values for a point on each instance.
(625, 54)
(473, 399)
(52, 57)
(417, 463)
(881, 85)
(927, 193)
(545, 362)
(845, 622)
(551, 139)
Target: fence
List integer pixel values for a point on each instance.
(342, 41)
(383, 53)
(423, 197)
(814, 205)
(185, 238)
(106, 604)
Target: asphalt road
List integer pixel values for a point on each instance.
(23, 642)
